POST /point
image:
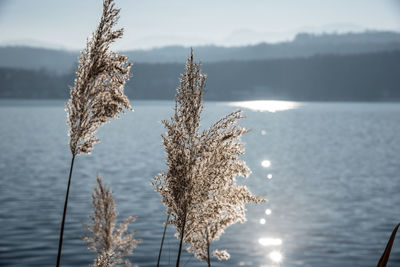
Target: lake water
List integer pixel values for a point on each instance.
(331, 173)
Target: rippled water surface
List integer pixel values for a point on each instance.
(331, 173)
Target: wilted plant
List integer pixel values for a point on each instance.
(111, 243)
(97, 94)
(199, 190)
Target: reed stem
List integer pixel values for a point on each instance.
(208, 251)
(162, 242)
(385, 256)
(180, 243)
(64, 213)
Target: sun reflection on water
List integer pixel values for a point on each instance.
(275, 256)
(266, 163)
(268, 211)
(266, 105)
(270, 241)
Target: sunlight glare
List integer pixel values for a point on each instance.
(266, 105)
(263, 132)
(269, 176)
(262, 221)
(268, 211)
(275, 256)
(266, 163)
(270, 241)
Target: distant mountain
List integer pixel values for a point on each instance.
(32, 58)
(348, 38)
(358, 77)
(304, 45)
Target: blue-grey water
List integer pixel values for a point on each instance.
(334, 195)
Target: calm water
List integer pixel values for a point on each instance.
(334, 195)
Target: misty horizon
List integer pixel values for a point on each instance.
(159, 23)
(40, 45)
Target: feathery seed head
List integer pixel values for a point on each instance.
(98, 91)
(199, 189)
(111, 243)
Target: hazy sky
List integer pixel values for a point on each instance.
(155, 23)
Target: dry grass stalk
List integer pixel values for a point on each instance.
(97, 94)
(199, 189)
(220, 202)
(386, 254)
(111, 243)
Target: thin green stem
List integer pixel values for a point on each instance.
(64, 213)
